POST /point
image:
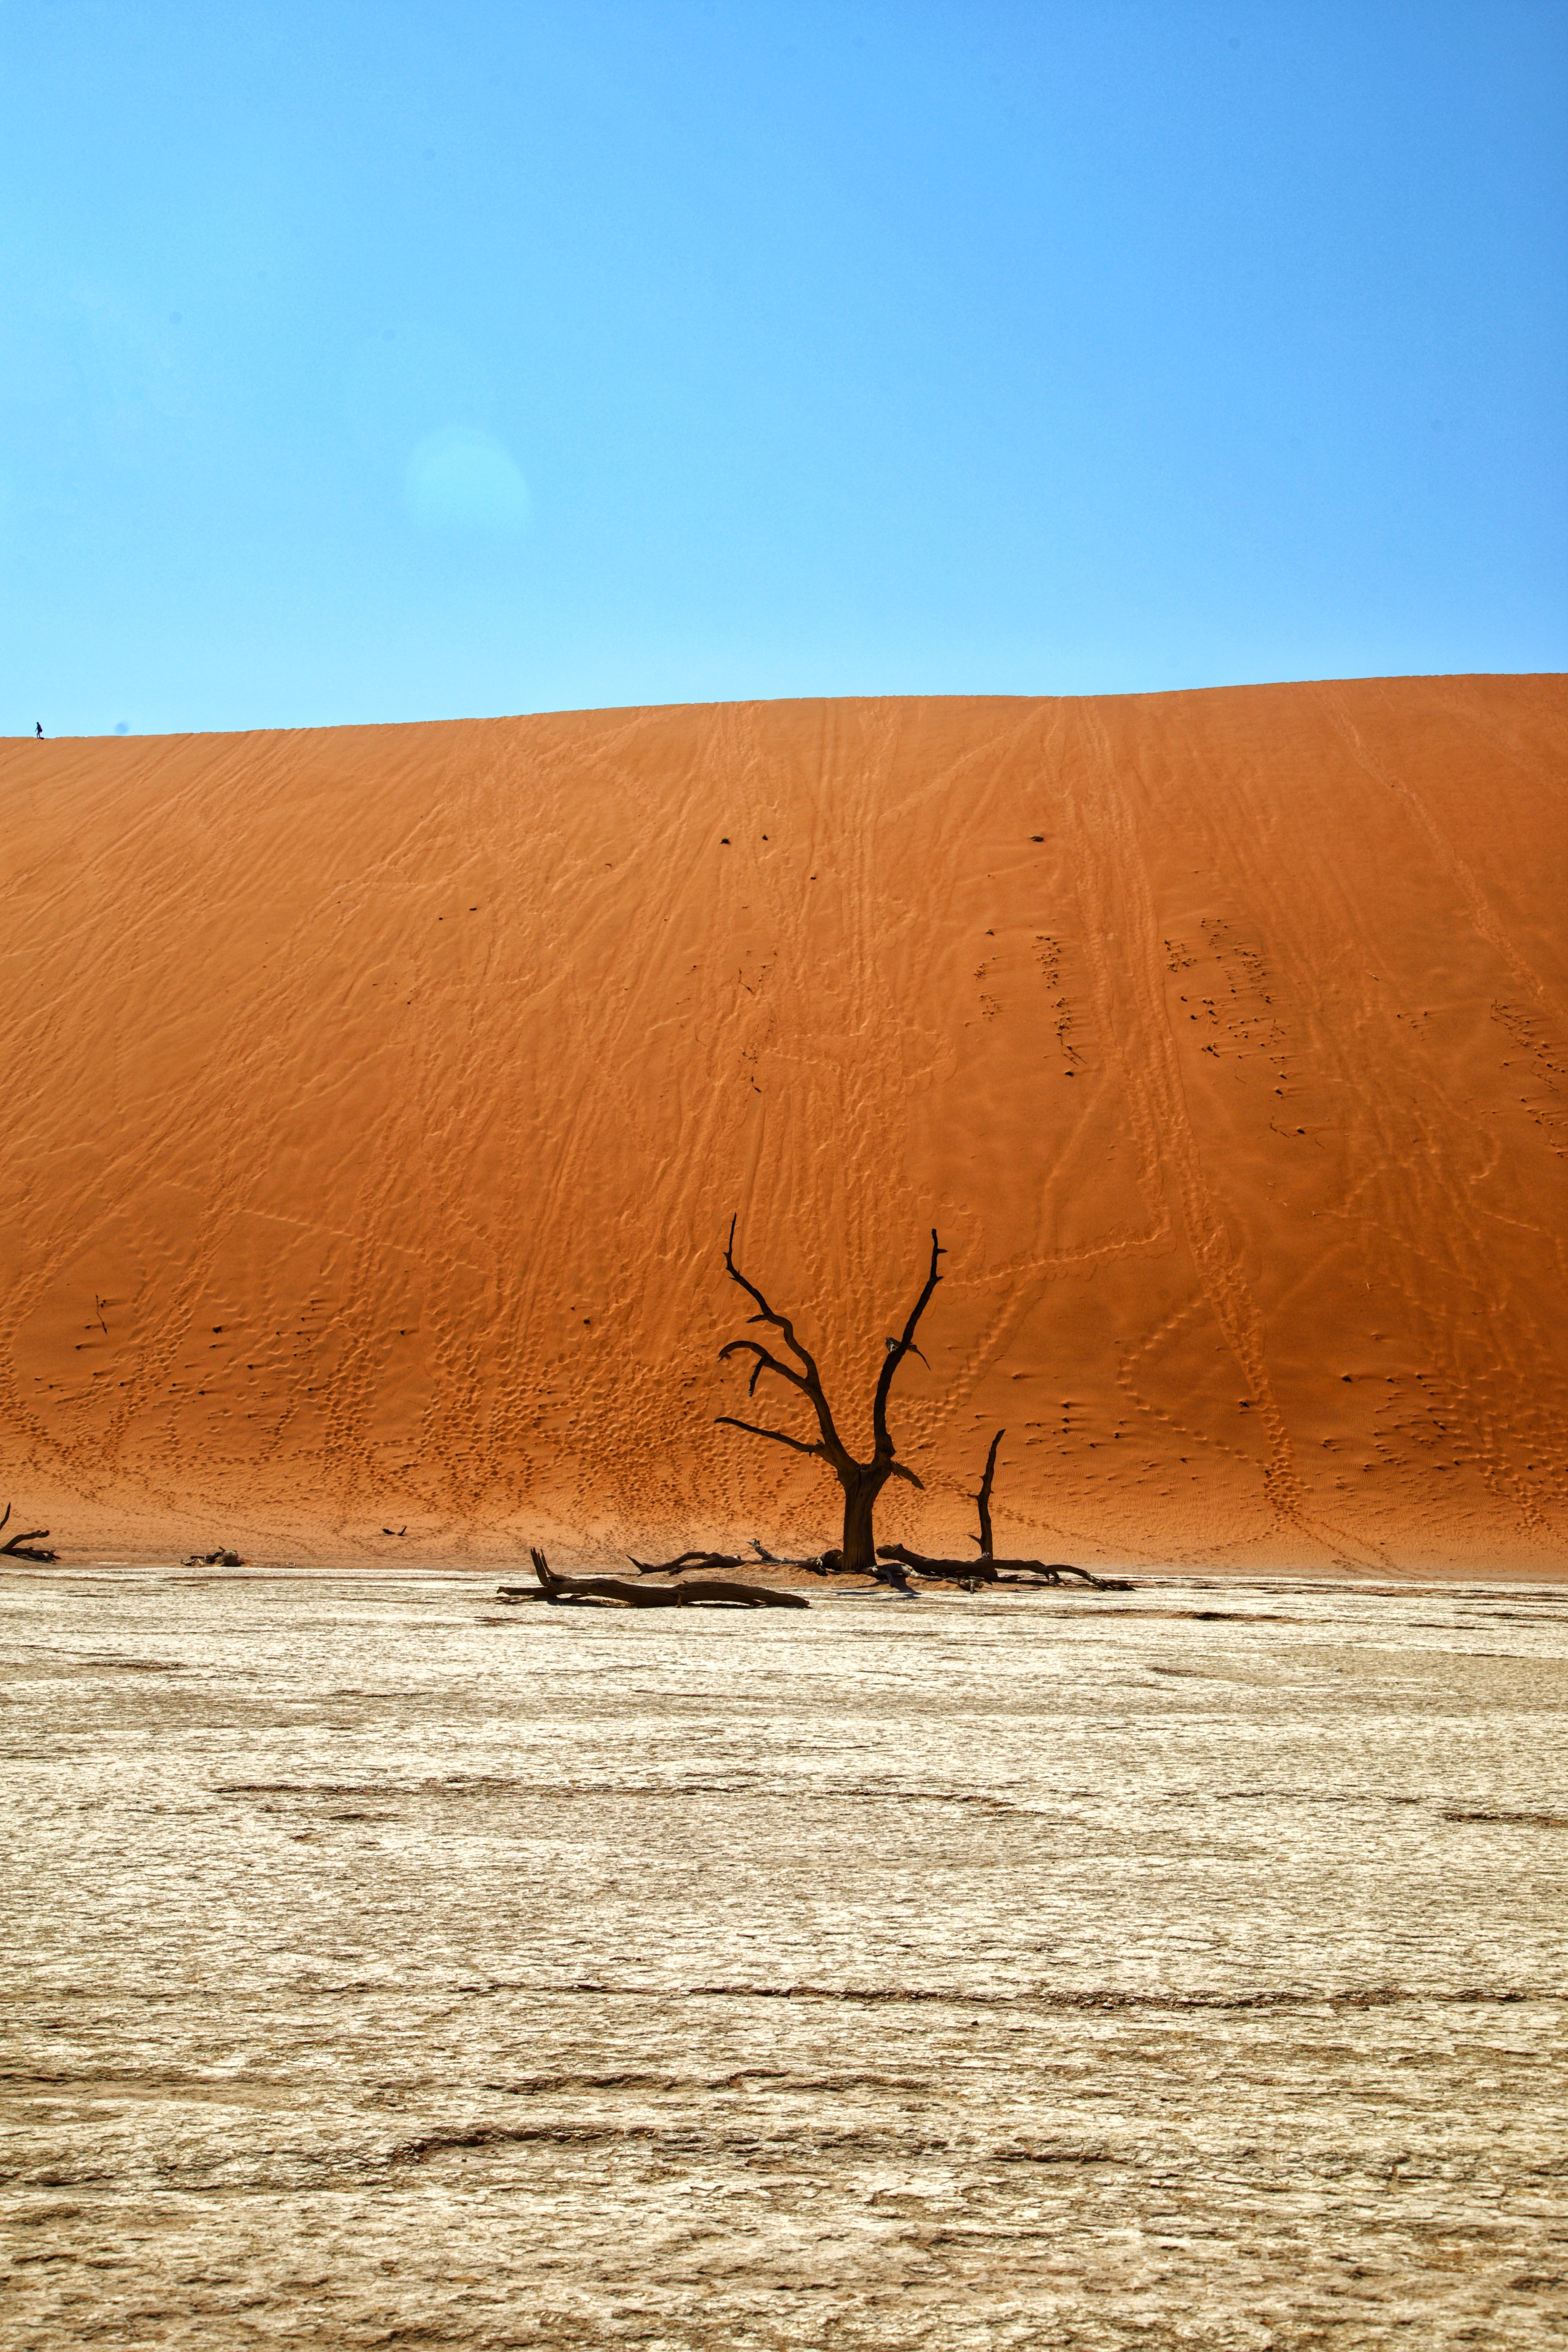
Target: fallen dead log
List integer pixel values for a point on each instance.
(819, 1563)
(23, 1544)
(697, 1592)
(970, 1572)
(621, 1590)
(998, 1571)
(831, 1563)
(712, 1589)
(213, 1560)
(686, 1560)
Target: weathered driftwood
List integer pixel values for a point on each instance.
(998, 1571)
(697, 1592)
(862, 1482)
(712, 1591)
(23, 1544)
(686, 1560)
(213, 1560)
(820, 1563)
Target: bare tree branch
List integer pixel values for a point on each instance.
(21, 1543)
(896, 1352)
(766, 1314)
(779, 1437)
(982, 1500)
(902, 1470)
(687, 1559)
(764, 1363)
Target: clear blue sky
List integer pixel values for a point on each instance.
(433, 358)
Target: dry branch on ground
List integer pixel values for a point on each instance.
(23, 1544)
(705, 1592)
(998, 1571)
(684, 1560)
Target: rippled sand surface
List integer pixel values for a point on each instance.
(1177, 1968)
(1222, 1035)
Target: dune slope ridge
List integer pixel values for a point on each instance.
(378, 1100)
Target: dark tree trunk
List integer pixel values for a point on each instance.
(982, 1500)
(859, 1504)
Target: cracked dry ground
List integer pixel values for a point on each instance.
(1176, 1967)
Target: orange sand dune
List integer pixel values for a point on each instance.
(378, 1100)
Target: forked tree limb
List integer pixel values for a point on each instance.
(894, 1356)
(808, 1379)
(766, 1362)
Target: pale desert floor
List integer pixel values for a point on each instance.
(1178, 1967)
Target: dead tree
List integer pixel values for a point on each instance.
(862, 1481)
(982, 1500)
(21, 1545)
